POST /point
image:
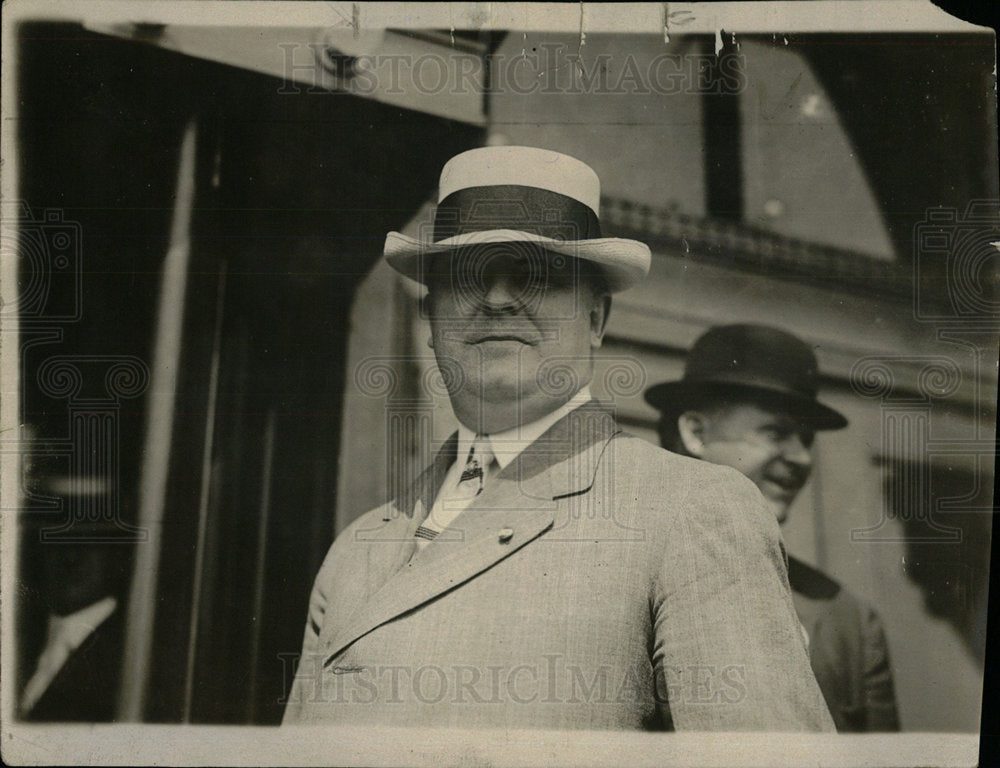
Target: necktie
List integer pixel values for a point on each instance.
(453, 501)
(470, 484)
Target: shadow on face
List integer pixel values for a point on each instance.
(513, 328)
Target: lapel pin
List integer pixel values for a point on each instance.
(506, 534)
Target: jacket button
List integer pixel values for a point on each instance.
(506, 534)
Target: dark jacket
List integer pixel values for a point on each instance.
(847, 649)
(86, 687)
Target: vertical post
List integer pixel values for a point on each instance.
(263, 522)
(722, 127)
(208, 446)
(159, 433)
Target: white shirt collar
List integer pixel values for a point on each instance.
(509, 444)
(76, 627)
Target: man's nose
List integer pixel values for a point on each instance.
(502, 290)
(796, 451)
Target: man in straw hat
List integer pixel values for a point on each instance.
(748, 400)
(547, 569)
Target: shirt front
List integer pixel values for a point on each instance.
(504, 446)
(65, 635)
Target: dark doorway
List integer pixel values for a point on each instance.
(294, 193)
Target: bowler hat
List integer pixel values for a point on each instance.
(522, 195)
(756, 360)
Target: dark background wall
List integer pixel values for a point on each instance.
(293, 195)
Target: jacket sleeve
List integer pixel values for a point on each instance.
(728, 648)
(879, 691)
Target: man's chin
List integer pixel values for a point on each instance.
(503, 404)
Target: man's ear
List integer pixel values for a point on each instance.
(691, 426)
(599, 320)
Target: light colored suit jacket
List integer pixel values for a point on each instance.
(597, 582)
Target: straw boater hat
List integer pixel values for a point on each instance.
(760, 361)
(520, 195)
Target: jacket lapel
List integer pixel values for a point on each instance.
(564, 461)
(421, 494)
(391, 542)
(518, 505)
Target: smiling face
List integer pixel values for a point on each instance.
(513, 329)
(769, 446)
